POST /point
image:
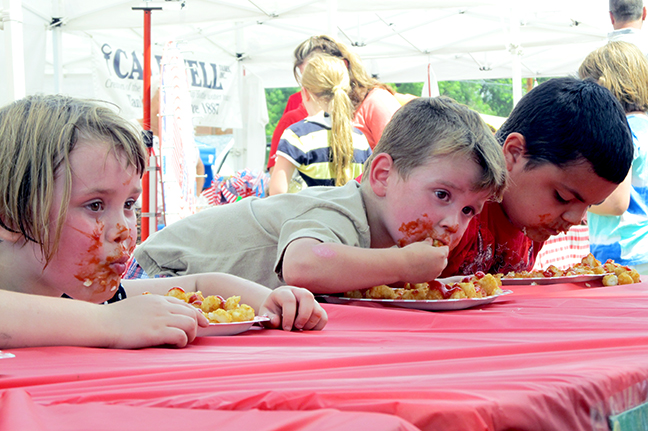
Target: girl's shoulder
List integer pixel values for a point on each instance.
(379, 96)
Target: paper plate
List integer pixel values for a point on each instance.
(430, 305)
(221, 329)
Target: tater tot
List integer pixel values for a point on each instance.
(211, 303)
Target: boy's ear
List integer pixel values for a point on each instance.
(381, 167)
(514, 149)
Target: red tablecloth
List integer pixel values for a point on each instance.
(558, 357)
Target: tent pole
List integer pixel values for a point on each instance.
(149, 191)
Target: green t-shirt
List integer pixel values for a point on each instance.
(248, 238)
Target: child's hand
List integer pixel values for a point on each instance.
(289, 307)
(423, 261)
(151, 320)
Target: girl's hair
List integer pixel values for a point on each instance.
(361, 81)
(327, 79)
(37, 135)
(622, 68)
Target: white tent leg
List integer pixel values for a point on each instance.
(14, 49)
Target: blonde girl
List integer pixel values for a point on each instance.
(618, 227)
(71, 172)
(325, 147)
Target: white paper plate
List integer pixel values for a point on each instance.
(552, 280)
(430, 305)
(221, 329)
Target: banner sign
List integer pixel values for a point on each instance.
(118, 74)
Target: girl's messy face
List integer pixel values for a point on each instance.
(436, 201)
(100, 229)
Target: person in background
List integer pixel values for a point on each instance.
(374, 103)
(567, 146)
(71, 175)
(619, 226)
(325, 147)
(435, 166)
(627, 17)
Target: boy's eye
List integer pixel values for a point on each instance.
(129, 205)
(442, 194)
(468, 211)
(560, 198)
(95, 206)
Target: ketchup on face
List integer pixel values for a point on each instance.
(420, 229)
(416, 231)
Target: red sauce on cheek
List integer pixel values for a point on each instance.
(100, 275)
(420, 229)
(544, 218)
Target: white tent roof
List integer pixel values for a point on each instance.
(399, 41)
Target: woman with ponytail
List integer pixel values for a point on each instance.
(325, 147)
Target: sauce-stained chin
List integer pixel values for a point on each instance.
(420, 229)
(100, 275)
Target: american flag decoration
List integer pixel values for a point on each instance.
(226, 190)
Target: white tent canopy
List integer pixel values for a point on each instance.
(399, 41)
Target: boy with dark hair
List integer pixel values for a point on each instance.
(434, 168)
(567, 146)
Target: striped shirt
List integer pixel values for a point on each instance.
(306, 145)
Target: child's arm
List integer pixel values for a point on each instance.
(32, 320)
(286, 306)
(335, 268)
(281, 175)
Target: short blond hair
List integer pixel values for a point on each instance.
(622, 68)
(37, 135)
(429, 127)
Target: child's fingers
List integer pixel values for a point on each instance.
(288, 310)
(187, 324)
(321, 324)
(185, 317)
(275, 321)
(176, 337)
(317, 320)
(304, 313)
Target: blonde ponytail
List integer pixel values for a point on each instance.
(327, 78)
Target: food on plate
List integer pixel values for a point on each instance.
(479, 285)
(612, 272)
(216, 308)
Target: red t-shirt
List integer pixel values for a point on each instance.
(294, 101)
(492, 244)
(288, 119)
